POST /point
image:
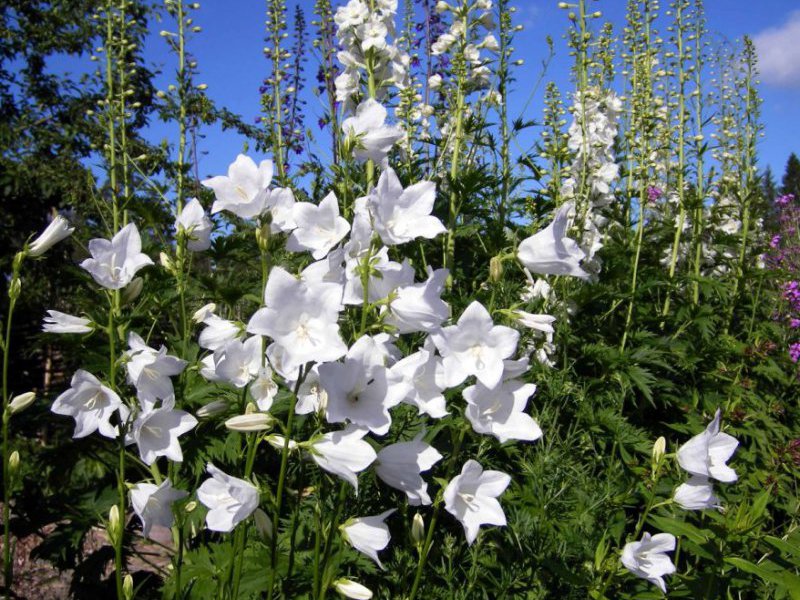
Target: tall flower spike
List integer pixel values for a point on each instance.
(706, 453)
(550, 251)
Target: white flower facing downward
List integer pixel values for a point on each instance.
(648, 558)
(57, 230)
(696, 494)
(550, 251)
(114, 263)
(371, 139)
(400, 465)
(58, 322)
(368, 535)
(90, 403)
(229, 499)
(471, 497)
(343, 453)
(153, 504)
(244, 191)
(501, 411)
(706, 453)
(194, 223)
(402, 215)
(475, 346)
(156, 432)
(319, 227)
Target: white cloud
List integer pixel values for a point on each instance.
(779, 52)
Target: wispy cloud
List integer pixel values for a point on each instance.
(779, 52)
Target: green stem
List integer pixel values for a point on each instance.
(241, 533)
(8, 565)
(634, 276)
(329, 541)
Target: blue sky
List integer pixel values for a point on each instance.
(229, 55)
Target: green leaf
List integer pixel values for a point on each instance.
(778, 576)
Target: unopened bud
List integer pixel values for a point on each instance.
(127, 587)
(495, 269)
(263, 524)
(21, 402)
(166, 261)
(15, 288)
(418, 530)
(114, 528)
(190, 506)
(212, 409)
(262, 236)
(132, 290)
(659, 449)
(202, 86)
(250, 422)
(13, 463)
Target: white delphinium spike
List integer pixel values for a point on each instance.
(114, 263)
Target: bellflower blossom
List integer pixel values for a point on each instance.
(195, 225)
(114, 263)
(244, 191)
(343, 453)
(153, 504)
(156, 431)
(58, 229)
(369, 136)
(471, 497)
(149, 370)
(318, 228)
(368, 535)
(648, 558)
(401, 465)
(550, 251)
(230, 500)
(90, 403)
(706, 453)
(501, 411)
(58, 322)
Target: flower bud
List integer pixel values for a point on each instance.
(114, 527)
(57, 230)
(202, 313)
(495, 269)
(166, 261)
(442, 6)
(21, 402)
(659, 449)
(202, 86)
(351, 589)
(13, 464)
(250, 422)
(263, 524)
(127, 587)
(418, 530)
(212, 409)
(262, 236)
(278, 442)
(15, 288)
(132, 290)
(190, 506)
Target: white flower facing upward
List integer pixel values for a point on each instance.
(58, 322)
(368, 535)
(149, 370)
(302, 319)
(343, 453)
(153, 504)
(696, 494)
(57, 230)
(90, 403)
(550, 251)
(501, 411)
(195, 225)
(369, 136)
(648, 558)
(402, 215)
(475, 346)
(230, 500)
(400, 465)
(156, 432)
(471, 497)
(319, 227)
(114, 263)
(706, 453)
(244, 191)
